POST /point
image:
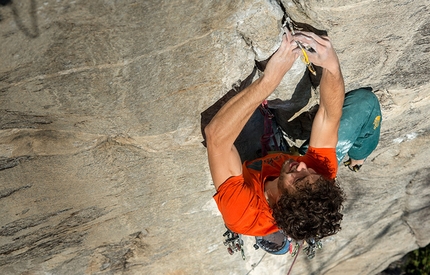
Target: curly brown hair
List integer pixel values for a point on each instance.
(311, 210)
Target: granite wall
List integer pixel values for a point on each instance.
(102, 170)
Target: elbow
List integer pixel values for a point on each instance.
(337, 115)
(210, 133)
(215, 135)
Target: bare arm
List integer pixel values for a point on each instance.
(325, 127)
(225, 127)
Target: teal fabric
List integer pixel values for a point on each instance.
(360, 125)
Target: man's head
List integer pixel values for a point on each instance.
(309, 205)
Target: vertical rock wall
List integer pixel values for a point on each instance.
(101, 166)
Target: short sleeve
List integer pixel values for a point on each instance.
(242, 210)
(233, 199)
(322, 160)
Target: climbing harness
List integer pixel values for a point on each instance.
(271, 140)
(289, 23)
(276, 243)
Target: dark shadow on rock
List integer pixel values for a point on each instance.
(4, 3)
(248, 141)
(308, 28)
(33, 30)
(299, 25)
(284, 110)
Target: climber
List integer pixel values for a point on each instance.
(297, 194)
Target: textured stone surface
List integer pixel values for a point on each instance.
(101, 166)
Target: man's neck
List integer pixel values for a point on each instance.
(271, 192)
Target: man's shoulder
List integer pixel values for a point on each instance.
(322, 160)
(271, 159)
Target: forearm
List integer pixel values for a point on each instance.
(227, 124)
(327, 120)
(332, 88)
(332, 92)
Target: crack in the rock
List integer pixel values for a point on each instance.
(50, 240)
(12, 228)
(254, 265)
(408, 196)
(103, 66)
(7, 192)
(19, 120)
(6, 163)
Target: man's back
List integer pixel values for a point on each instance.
(242, 201)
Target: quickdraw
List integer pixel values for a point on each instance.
(289, 23)
(310, 250)
(234, 243)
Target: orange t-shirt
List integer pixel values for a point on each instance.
(241, 199)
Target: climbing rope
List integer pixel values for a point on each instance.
(299, 246)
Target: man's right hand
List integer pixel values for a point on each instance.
(324, 55)
(332, 89)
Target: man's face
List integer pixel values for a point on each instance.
(295, 173)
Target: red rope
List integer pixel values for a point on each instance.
(268, 130)
(295, 258)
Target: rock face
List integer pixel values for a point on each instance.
(102, 169)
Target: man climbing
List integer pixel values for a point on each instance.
(297, 194)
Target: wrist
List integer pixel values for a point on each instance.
(332, 65)
(335, 70)
(268, 83)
